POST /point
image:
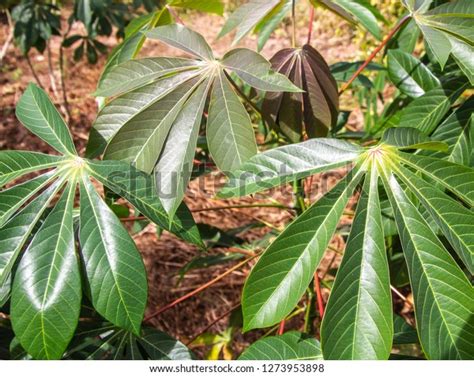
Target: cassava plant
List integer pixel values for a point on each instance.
(409, 170)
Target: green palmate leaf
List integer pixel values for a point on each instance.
(284, 271)
(14, 164)
(134, 39)
(209, 6)
(46, 294)
(456, 131)
(160, 346)
(107, 342)
(462, 54)
(358, 318)
(246, 17)
(409, 74)
(230, 135)
(139, 189)
(454, 177)
(38, 114)
(355, 11)
(255, 70)
(411, 138)
(110, 260)
(443, 310)
(271, 21)
(15, 233)
(448, 31)
(135, 73)
(425, 112)
(175, 166)
(288, 346)
(288, 163)
(13, 198)
(185, 39)
(455, 221)
(141, 139)
(125, 108)
(403, 333)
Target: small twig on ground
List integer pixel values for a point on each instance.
(226, 313)
(199, 289)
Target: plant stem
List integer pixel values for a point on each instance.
(293, 21)
(243, 96)
(281, 328)
(375, 52)
(309, 313)
(319, 296)
(226, 313)
(9, 39)
(310, 26)
(62, 75)
(175, 15)
(199, 289)
(33, 71)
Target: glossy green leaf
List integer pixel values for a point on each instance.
(403, 333)
(185, 39)
(125, 108)
(411, 138)
(363, 13)
(14, 164)
(134, 39)
(455, 221)
(230, 136)
(357, 321)
(246, 17)
(457, 131)
(174, 169)
(38, 114)
(289, 346)
(110, 260)
(409, 74)
(443, 310)
(160, 346)
(135, 73)
(289, 163)
(454, 177)
(13, 198)
(46, 292)
(139, 189)
(255, 70)
(271, 21)
(336, 9)
(426, 112)
(15, 233)
(448, 30)
(208, 6)
(141, 139)
(283, 272)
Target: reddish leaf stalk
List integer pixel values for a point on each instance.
(281, 328)
(319, 296)
(310, 26)
(375, 52)
(198, 290)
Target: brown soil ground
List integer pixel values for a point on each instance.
(166, 255)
